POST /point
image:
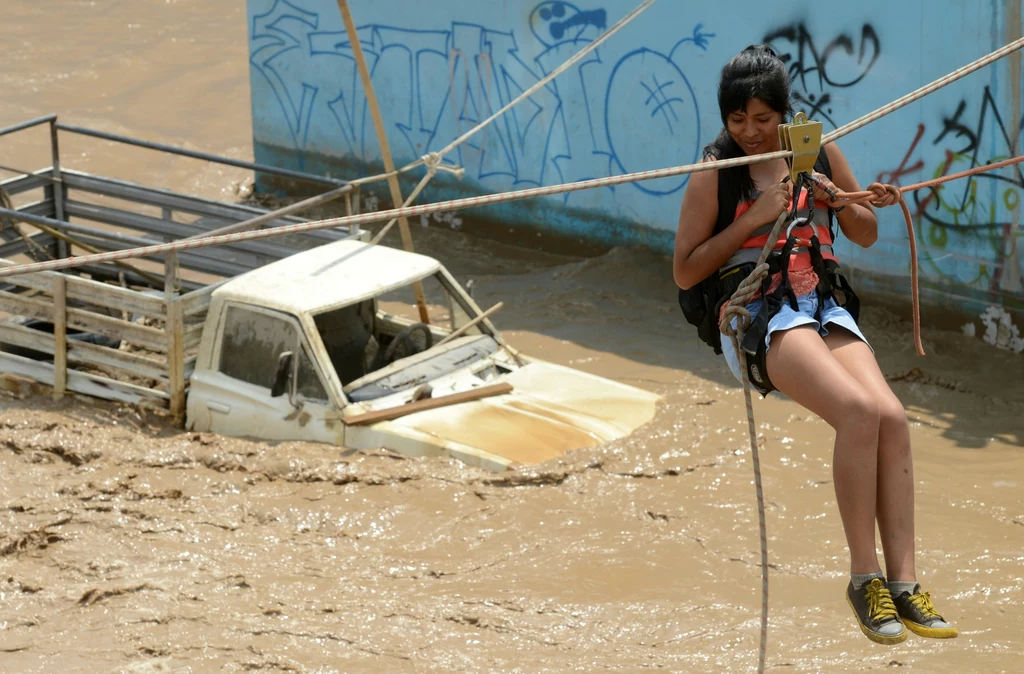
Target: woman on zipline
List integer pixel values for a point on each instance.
(801, 341)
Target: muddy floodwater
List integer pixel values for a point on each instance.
(127, 545)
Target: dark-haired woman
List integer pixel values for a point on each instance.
(812, 348)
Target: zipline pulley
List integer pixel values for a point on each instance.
(803, 139)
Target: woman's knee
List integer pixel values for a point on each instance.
(893, 418)
(861, 413)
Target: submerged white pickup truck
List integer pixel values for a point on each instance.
(327, 345)
(311, 346)
(319, 337)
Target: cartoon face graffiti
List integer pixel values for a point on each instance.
(554, 21)
(648, 88)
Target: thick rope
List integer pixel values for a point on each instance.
(382, 216)
(736, 307)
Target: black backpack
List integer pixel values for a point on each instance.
(702, 303)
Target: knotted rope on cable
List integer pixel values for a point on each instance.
(433, 161)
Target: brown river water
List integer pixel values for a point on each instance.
(127, 545)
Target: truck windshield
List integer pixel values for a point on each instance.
(372, 334)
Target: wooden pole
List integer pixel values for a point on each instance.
(174, 328)
(467, 326)
(428, 404)
(382, 140)
(60, 336)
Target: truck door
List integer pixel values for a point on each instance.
(233, 397)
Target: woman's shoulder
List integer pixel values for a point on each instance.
(706, 174)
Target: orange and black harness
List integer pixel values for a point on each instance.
(702, 304)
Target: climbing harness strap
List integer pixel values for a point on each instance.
(754, 342)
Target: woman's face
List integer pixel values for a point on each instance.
(755, 129)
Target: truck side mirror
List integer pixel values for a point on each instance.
(283, 374)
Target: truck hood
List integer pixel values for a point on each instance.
(550, 411)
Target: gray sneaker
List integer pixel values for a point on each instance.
(919, 615)
(876, 613)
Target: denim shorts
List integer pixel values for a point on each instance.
(787, 319)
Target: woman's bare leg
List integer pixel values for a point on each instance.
(895, 484)
(802, 366)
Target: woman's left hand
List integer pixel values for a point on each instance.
(821, 189)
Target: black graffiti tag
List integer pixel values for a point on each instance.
(842, 63)
(968, 150)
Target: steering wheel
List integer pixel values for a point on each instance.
(411, 347)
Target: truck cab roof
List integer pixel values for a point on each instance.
(326, 277)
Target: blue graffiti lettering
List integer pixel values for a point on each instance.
(582, 125)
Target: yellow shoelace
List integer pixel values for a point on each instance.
(923, 603)
(880, 605)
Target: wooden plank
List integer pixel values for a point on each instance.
(94, 292)
(428, 404)
(192, 336)
(104, 273)
(131, 363)
(18, 335)
(197, 301)
(141, 335)
(175, 362)
(87, 321)
(60, 336)
(80, 382)
(84, 353)
(113, 297)
(172, 273)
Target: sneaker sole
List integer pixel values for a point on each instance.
(931, 632)
(886, 639)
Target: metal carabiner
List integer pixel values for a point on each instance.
(796, 223)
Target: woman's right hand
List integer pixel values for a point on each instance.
(771, 204)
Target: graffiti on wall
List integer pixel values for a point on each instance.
(818, 71)
(977, 217)
(312, 74)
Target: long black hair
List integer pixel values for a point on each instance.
(756, 72)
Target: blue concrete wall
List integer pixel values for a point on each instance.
(646, 99)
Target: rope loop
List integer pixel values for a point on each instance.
(433, 162)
